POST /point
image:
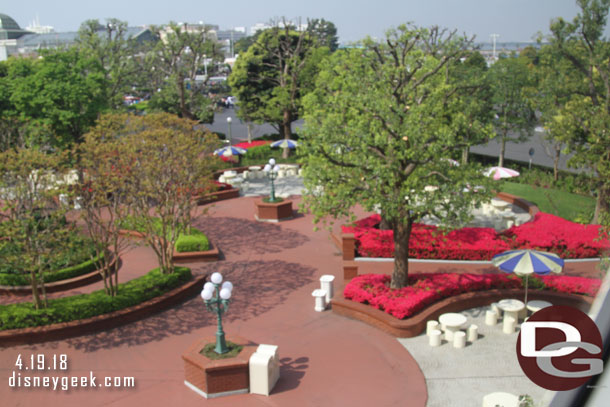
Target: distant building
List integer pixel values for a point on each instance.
(16, 41)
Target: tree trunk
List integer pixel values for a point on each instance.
(556, 164)
(602, 205)
(287, 125)
(502, 151)
(402, 234)
(35, 295)
(465, 155)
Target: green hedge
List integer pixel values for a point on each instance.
(153, 284)
(194, 241)
(50, 276)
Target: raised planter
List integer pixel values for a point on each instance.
(212, 254)
(222, 377)
(54, 332)
(273, 211)
(61, 285)
(410, 327)
(187, 257)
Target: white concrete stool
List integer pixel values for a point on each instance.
(221, 178)
(320, 296)
(300, 173)
(491, 318)
(435, 338)
(473, 333)
(509, 324)
(500, 399)
(459, 339)
(326, 283)
(245, 174)
(281, 173)
(494, 307)
(431, 326)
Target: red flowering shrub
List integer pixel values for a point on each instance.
(426, 289)
(254, 143)
(546, 232)
(554, 234)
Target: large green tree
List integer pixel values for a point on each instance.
(587, 112)
(115, 52)
(63, 90)
(174, 63)
(510, 79)
(381, 125)
(271, 78)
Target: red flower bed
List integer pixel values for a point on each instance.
(554, 234)
(426, 289)
(255, 143)
(546, 232)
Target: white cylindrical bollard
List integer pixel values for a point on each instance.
(491, 318)
(473, 333)
(508, 325)
(431, 326)
(320, 296)
(435, 338)
(326, 282)
(459, 339)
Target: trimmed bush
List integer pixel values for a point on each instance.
(195, 241)
(134, 292)
(51, 276)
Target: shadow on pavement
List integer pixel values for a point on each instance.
(233, 235)
(269, 282)
(291, 373)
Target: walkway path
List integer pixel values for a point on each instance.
(326, 360)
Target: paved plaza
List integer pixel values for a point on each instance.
(326, 360)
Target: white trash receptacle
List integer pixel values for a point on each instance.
(264, 369)
(320, 302)
(326, 283)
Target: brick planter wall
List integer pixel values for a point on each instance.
(217, 196)
(102, 322)
(273, 212)
(61, 285)
(214, 378)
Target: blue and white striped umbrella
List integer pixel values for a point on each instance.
(525, 262)
(229, 151)
(286, 143)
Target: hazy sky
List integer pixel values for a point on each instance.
(513, 20)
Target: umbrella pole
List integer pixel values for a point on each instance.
(527, 276)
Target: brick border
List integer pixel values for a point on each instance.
(407, 328)
(61, 285)
(217, 196)
(64, 330)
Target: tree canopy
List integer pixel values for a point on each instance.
(271, 78)
(381, 127)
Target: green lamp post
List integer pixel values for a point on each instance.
(219, 304)
(271, 170)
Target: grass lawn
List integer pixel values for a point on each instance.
(569, 206)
